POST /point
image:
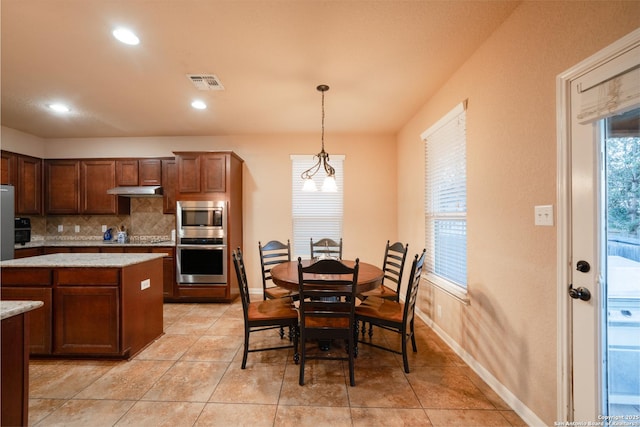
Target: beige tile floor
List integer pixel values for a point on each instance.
(191, 376)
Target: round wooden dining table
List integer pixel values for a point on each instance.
(286, 275)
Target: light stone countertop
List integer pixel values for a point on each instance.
(13, 308)
(81, 260)
(94, 243)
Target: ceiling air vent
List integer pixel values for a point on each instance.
(205, 81)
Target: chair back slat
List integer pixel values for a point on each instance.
(272, 253)
(395, 256)
(326, 248)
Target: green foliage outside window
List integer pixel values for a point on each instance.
(623, 186)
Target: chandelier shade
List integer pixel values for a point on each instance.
(329, 184)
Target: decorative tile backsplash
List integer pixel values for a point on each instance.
(146, 222)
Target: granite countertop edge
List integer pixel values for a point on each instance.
(82, 260)
(14, 308)
(91, 243)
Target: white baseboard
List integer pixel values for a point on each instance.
(527, 415)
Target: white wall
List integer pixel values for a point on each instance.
(20, 142)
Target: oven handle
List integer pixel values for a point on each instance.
(205, 247)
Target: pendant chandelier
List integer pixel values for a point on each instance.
(329, 184)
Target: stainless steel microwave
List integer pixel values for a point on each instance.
(201, 218)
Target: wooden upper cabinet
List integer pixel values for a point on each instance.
(62, 193)
(25, 174)
(126, 173)
(97, 176)
(202, 172)
(169, 178)
(214, 173)
(188, 173)
(8, 175)
(149, 172)
(29, 186)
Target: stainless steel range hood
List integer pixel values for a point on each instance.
(138, 191)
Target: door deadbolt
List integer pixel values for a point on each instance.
(583, 266)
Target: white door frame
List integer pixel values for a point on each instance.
(563, 166)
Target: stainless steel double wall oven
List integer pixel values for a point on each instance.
(201, 250)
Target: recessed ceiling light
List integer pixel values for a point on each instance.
(59, 108)
(126, 36)
(199, 105)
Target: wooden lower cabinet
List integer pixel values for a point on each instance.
(39, 319)
(86, 320)
(90, 312)
(168, 270)
(14, 371)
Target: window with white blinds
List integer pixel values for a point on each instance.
(446, 199)
(315, 214)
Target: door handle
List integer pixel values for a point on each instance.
(579, 293)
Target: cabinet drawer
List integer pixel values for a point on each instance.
(84, 250)
(204, 292)
(27, 252)
(87, 276)
(137, 250)
(112, 250)
(26, 276)
(56, 250)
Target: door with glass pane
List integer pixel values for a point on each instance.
(622, 200)
(604, 279)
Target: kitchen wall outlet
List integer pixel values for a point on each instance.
(439, 310)
(146, 283)
(77, 228)
(544, 215)
(60, 228)
(104, 228)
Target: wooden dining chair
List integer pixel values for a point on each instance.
(264, 315)
(393, 267)
(393, 315)
(326, 248)
(327, 309)
(273, 253)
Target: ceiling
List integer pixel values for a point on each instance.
(381, 59)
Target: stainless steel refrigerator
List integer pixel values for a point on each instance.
(7, 221)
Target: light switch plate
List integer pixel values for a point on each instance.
(544, 215)
(60, 228)
(145, 284)
(77, 228)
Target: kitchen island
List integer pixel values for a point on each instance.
(96, 305)
(14, 362)
(155, 244)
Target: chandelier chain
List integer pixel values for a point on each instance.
(322, 159)
(322, 137)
